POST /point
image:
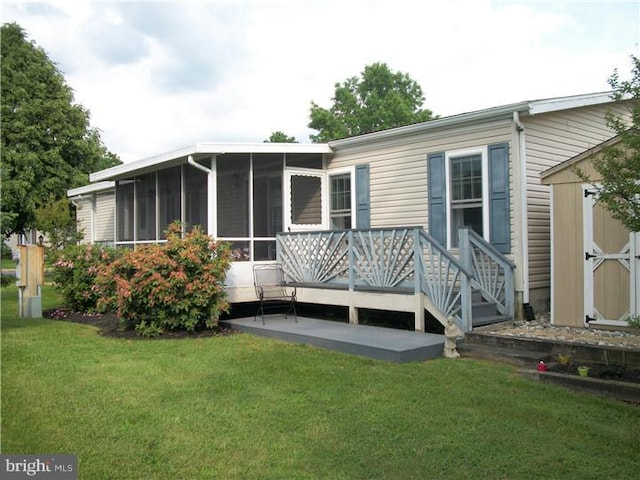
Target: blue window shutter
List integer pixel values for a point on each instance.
(437, 197)
(499, 207)
(363, 207)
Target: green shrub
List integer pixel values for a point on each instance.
(74, 271)
(174, 286)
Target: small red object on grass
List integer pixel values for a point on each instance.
(542, 367)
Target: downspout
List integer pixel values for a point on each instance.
(524, 234)
(195, 164)
(210, 190)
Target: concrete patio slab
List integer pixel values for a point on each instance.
(374, 342)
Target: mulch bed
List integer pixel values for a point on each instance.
(109, 326)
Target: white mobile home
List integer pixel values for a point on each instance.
(371, 221)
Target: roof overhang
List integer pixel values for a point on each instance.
(200, 150)
(90, 189)
(533, 107)
(566, 103)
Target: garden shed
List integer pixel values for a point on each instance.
(595, 261)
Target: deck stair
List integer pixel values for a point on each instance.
(483, 312)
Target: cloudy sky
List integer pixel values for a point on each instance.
(158, 76)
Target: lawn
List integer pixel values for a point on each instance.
(240, 406)
(7, 263)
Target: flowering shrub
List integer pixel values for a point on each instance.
(177, 285)
(74, 271)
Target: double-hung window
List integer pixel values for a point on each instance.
(341, 209)
(467, 193)
(349, 204)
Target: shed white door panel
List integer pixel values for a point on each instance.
(611, 266)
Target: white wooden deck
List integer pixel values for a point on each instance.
(374, 342)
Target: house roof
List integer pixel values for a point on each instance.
(204, 149)
(529, 107)
(545, 177)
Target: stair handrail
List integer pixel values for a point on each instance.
(454, 271)
(486, 278)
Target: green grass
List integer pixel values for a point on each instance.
(7, 263)
(245, 407)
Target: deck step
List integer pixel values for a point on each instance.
(483, 309)
(489, 320)
(484, 312)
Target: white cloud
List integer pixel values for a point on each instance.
(162, 76)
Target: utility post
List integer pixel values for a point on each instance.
(29, 279)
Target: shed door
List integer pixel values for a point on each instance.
(306, 200)
(611, 266)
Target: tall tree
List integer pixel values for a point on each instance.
(377, 100)
(280, 137)
(619, 167)
(48, 145)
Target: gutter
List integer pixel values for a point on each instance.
(195, 164)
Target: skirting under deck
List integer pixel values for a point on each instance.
(374, 342)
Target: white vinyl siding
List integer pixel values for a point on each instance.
(105, 217)
(84, 215)
(398, 168)
(552, 138)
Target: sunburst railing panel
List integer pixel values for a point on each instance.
(493, 273)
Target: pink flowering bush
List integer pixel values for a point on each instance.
(74, 271)
(174, 286)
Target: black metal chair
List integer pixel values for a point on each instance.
(272, 291)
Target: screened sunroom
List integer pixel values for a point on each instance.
(243, 194)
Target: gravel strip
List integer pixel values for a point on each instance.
(542, 328)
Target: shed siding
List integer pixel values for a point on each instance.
(568, 257)
(105, 217)
(552, 138)
(398, 175)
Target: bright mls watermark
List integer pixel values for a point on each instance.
(41, 467)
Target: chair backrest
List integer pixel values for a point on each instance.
(268, 279)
